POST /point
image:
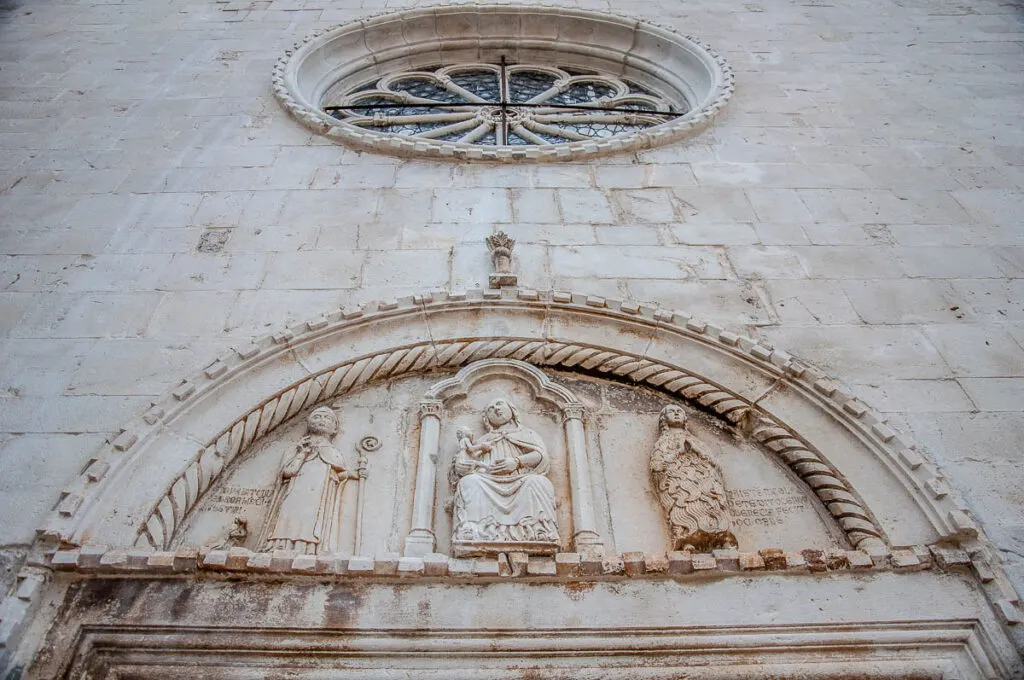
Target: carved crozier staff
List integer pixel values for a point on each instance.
(365, 444)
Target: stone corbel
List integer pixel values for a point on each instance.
(421, 540)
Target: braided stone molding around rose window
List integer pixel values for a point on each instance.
(404, 35)
(158, 530)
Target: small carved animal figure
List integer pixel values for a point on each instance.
(236, 536)
(690, 487)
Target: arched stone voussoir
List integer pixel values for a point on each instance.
(868, 478)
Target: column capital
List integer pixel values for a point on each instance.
(574, 411)
(430, 407)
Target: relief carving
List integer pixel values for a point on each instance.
(305, 515)
(236, 535)
(690, 486)
(503, 498)
(501, 244)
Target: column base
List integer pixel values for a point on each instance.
(418, 543)
(588, 542)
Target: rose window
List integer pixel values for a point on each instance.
(502, 83)
(503, 105)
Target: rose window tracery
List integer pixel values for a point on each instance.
(505, 83)
(503, 105)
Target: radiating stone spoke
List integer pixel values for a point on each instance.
(413, 119)
(544, 96)
(449, 129)
(455, 88)
(476, 133)
(553, 131)
(525, 133)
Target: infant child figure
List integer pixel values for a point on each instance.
(469, 453)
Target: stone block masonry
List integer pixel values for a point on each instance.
(841, 208)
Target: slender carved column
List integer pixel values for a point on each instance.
(584, 517)
(421, 539)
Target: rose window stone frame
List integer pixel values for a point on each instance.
(390, 83)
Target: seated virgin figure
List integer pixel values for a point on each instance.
(503, 499)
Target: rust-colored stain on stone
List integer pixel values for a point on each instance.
(578, 590)
(342, 607)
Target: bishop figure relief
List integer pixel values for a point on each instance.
(305, 514)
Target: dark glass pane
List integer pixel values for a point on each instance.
(363, 88)
(425, 89)
(638, 89)
(490, 139)
(601, 130)
(483, 84)
(525, 85)
(516, 140)
(582, 93)
(549, 138)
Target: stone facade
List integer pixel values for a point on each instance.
(169, 231)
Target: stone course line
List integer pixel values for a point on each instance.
(562, 566)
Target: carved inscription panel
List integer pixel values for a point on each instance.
(238, 500)
(766, 506)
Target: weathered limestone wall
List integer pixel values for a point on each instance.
(857, 205)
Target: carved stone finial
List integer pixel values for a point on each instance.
(501, 244)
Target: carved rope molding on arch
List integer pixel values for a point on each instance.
(159, 528)
(82, 506)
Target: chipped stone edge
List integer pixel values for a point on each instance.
(560, 567)
(287, 92)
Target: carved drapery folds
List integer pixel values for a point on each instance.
(305, 515)
(690, 486)
(503, 498)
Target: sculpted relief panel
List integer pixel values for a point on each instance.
(690, 486)
(503, 498)
(504, 458)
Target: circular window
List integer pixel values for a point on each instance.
(502, 83)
